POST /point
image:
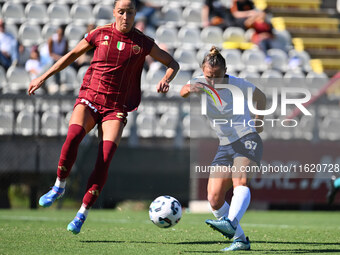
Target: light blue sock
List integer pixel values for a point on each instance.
(337, 183)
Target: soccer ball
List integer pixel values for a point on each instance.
(165, 211)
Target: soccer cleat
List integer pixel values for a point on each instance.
(331, 191)
(51, 196)
(223, 226)
(77, 223)
(238, 245)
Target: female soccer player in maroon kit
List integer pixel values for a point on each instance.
(110, 89)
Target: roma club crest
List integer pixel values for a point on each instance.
(136, 49)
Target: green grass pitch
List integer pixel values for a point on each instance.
(128, 232)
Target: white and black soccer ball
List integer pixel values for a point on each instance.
(165, 211)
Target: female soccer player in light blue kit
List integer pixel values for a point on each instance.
(240, 147)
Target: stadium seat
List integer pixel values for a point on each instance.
(129, 124)
(315, 81)
(74, 33)
(103, 13)
(189, 37)
(195, 126)
(278, 59)
(48, 30)
(25, 123)
(30, 34)
(192, 15)
(69, 81)
(233, 59)
(64, 123)
(58, 13)
(294, 79)
(182, 77)
(12, 29)
(3, 80)
(254, 60)
(212, 36)
(305, 128)
(271, 79)
(303, 58)
(186, 59)
(82, 14)
(18, 79)
(81, 73)
(167, 125)
(154, 76)
(6, 122)
(251, 76)
(13, 12)
(329, 129)
(171, 16)
(234, 34)
(146, 123)
(36, 13)
(50, 123)
(167, 35)
(201, 54)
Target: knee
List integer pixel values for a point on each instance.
(75, 133)
(215, 200)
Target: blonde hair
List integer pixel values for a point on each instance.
(214, 58)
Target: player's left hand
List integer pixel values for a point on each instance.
(163, 86)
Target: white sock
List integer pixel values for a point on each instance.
(60, 184)
(223, 212)
(239, 204)
(84, 211)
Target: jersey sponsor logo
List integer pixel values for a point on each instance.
(106, 37)
(89, 104)
(136, 49)
(120, 45)
(105, 43)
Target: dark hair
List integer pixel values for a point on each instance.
(214, 58)
(116, 1)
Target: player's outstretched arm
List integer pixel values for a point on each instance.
(167, 60)
(191, 88)
(260, 98)
(62, 63)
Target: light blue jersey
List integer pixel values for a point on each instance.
(229, 127)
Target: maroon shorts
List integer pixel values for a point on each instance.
(101, 113)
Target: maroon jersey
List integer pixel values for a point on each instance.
(113, 78)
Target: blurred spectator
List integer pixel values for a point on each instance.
(216, 13)
(145, 12)
(8, 47)
(86, 58)
(58, 47)
(33, 65)
(23, 55)
(246, 15)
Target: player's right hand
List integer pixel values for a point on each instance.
(196, 88)
(34, 85)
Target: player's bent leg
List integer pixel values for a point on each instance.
(81, 123)
(217, 189)
(241, 194)
(99, 175)
(238, 245)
